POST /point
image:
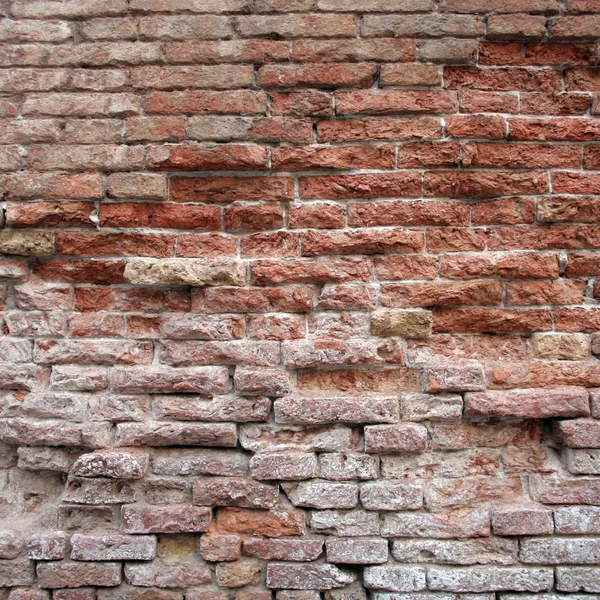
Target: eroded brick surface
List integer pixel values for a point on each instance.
(299, 300)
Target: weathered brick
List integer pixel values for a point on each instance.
(559, 550)
(361, 551)
(290, 576)
(286, 466)
(540, 403)
(348, 409)
(165, 519)
(116, 547)
(167, 575)
(74, 575)
(167, 434)
(322, 495)
(456, 552)
(395, 578)
(230, 491)
(401, 437)
(300, 550)
(116, 464)
(485, 579)
(273, 523)
(522, 521)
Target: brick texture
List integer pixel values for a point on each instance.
(299, 300)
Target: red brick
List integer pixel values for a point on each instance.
(273, 523)
(226, 51)
(309, 103)
(207, 158)
(424, 25)
(378, 129)
(47, 186)
(491, 320)
(81, 271)
(326, 76)
(186, 77)
(536, 54)
(428, 154)
(276, 327)
(455, 240)
(532, 403)
(96, 325)
(251, 217)
(529, 237)
(244, 102)
(411, 75)
(512, 374)
(476, 126)
(560, 130)
(508, 211)
(401, 50)
(406, 267)
(399, 295)
(230, 189)
(502, 79)
(476, 101)
(269, 245)
(115, 244)
(558, 291)
(320, 215)
(578, 318)
(585, 27)
(511, 27)
(201, 245)
(361, 242)
(580, 264)
(504, 6)
(50, 214)
(519, 156)
(563, 103)
(360, 381)
(381, 102)
(311, 158)
(96, 298)
(334, 187)
(160, 216)
(407, 213)
(68, 575)
(484, 185)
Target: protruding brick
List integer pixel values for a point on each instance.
(113, 547)
(306, 577)
(117, 464)
(178, 271)
(536, 403)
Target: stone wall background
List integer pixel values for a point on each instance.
(299, 299)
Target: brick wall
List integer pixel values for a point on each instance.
(298, 300)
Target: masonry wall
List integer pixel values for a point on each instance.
(298, 300)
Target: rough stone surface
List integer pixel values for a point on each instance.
(184, 272)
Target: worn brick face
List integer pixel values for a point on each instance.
(299, 298)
